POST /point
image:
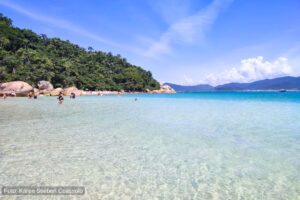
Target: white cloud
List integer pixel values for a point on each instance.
(188, 80)
(60, 23)
(186, 30)
(252, 69)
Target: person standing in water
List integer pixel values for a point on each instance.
(73, 95)
(60, 98)
(4, 96)
(30, 95)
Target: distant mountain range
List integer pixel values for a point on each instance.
(282, 83)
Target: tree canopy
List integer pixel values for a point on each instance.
(27, 56)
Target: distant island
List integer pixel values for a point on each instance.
(281, 83)
(29, 57)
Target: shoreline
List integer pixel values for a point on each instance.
(21, 88)
(95, 93)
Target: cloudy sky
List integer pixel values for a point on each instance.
(180, 41)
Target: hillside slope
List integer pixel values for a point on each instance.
(27, 56)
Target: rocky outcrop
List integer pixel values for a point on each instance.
(167, 89)
(56, 91)
(20, 88)
(69, 90)
(45, 87)
(164, 89)
(66, 91)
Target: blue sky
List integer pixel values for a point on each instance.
(180, 41)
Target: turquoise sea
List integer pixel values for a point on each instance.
(238, 146)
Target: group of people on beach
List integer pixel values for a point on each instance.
(61, 97)
(34, 96)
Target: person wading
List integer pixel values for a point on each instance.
(60, 98)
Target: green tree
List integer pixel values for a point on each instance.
(26, 56)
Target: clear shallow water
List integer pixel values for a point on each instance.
(181, 146)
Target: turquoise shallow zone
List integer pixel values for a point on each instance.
(178, 146)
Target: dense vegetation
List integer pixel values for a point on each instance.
(29, 57)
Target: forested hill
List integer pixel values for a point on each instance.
(27, 56)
